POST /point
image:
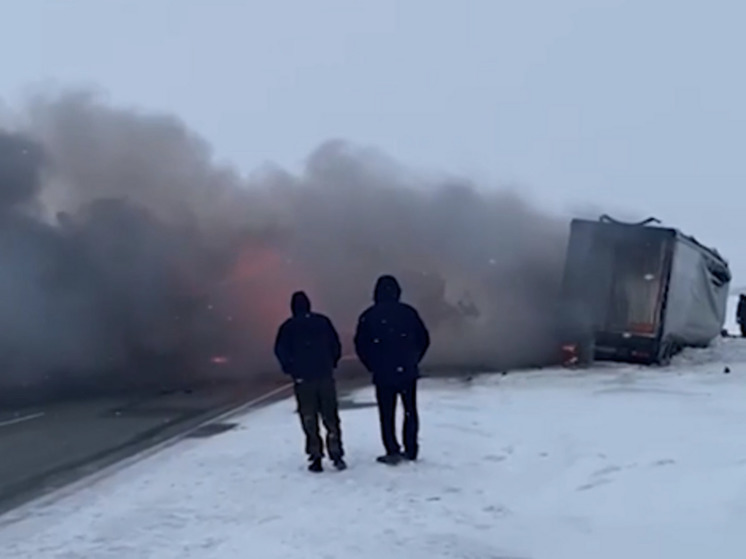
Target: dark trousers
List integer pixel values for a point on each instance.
(318, 397)
(387, 397)
(742, 326)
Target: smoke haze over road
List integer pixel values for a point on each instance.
(127, 252)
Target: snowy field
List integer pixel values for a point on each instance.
(617, 462)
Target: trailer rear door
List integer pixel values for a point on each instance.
(637, 283)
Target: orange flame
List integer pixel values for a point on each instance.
(259, 287)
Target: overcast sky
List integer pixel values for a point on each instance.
(637, 105)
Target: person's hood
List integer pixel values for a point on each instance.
(742, 296)
(387, 290)
(300, 303)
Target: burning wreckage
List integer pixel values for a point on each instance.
(107, 294)
(638, 292)
(110, 294)
(108, 297)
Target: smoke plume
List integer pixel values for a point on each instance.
(128, 255)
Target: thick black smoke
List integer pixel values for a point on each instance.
(128, 256)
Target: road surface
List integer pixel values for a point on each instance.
(45, 447)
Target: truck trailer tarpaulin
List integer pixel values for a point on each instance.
(638, 292)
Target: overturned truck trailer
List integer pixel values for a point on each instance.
(638, 292)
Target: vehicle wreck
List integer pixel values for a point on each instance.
(638, 292)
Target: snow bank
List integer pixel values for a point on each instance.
(617, 462)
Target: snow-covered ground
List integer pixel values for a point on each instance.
(616, 462)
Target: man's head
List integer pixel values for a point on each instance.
(387, 290)
(300, 304)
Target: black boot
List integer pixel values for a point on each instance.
(315, 465)
(340, 464)
(390, 459)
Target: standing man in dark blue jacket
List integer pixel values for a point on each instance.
(741, 314)
(390, 342)
(308, 349)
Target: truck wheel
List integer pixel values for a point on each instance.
(667, 351)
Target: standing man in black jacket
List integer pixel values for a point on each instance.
(741, 314)
(308, 349)
(390, 342)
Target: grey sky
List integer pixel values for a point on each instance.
(635, 105)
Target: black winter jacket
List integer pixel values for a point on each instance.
(307, 344)
(391, 338)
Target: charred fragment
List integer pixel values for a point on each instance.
(638, 292)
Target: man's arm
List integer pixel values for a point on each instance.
(362, 342)
(335, 345)
(283, 352)
(421, 335)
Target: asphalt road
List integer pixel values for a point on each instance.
(45, 447)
